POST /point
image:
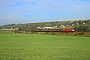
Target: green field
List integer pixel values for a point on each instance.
(43, 47)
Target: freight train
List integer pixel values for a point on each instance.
(54, 30)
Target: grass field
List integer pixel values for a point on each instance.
(43, 47)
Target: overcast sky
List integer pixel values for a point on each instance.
(27, 11)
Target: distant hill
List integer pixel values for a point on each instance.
(67, 24)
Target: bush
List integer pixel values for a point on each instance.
(80, 33)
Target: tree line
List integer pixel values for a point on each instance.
(78, 25)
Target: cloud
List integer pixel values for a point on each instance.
(44, 9)
(3, 20)
(44, 5)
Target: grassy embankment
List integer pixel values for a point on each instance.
(43, 47)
